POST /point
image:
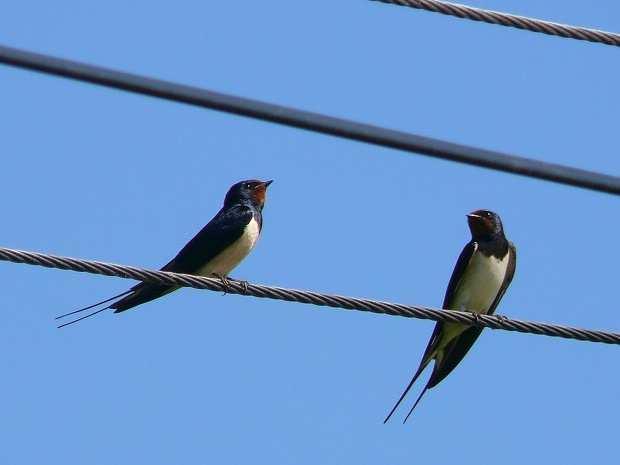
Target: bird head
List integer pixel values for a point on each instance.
(251, 190)
(485, 224)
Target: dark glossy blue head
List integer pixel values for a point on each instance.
(249, 191)
(485, 225)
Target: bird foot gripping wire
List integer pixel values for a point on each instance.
(502, 318)
(226, 280)
(477, 319)
(244, 284)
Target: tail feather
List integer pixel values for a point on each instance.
(413, 380)
(426, 388)
(139, 294)
(432, 380)
(84, 317)
(142, 293)
(94, 305)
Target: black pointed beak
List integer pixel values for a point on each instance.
(473, 215)
(267, 183)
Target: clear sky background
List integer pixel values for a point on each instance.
(198, 377)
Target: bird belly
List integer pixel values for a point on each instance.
(477, 290)
(231, 256)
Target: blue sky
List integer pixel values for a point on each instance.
(198, 377)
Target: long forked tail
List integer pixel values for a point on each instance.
(89, 307)
(413, 380)
(417, 401)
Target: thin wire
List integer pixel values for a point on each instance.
(505, 19)
(306, 297)
(310, 121)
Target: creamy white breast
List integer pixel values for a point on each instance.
(481, 283)
(230, 257)
(477, 290)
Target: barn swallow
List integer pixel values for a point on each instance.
(218, 248)
(480, 278)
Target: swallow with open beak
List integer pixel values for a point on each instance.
(215, 251)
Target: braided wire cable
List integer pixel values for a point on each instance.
(505, 19)
(306, 297)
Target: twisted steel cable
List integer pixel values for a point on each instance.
(505, 19)
(306, 297)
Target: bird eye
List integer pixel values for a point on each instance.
(247, 185)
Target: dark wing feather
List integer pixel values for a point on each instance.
(457, 274)
(458, 348)
(461, 264)
(224, 229)
(455, 351)
(455, 279)
(459, 271)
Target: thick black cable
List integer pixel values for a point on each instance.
(307, 297)
(505, 19)
(311, 121)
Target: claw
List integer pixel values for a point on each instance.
(225, 281)
(244, 284)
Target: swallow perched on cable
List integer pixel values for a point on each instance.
(480, 278)
(218, 248)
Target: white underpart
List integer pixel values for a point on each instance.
(229, 258)
(477, 290)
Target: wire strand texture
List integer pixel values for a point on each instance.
(310, 121)
(509, 20)
(307, 297)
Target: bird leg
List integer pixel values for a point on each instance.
(226, 280)
(244, 284)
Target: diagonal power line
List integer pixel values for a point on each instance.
(505, 19)
(307, 297)
(310, 121)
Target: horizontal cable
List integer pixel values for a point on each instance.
(306, 297)
(311, 121)
(505, 19)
